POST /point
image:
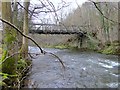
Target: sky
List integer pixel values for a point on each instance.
(50, 17)
(58, 1)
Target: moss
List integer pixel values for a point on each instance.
(112, 49)
(0, 50)
(10, 37)
(3, 55)
(60, 46)
(6, 66)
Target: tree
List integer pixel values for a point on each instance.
(10, 55)
(9, 46)
(24, 49)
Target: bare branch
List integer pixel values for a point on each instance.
(95, 4)
(57, 58)
(26, 36)
(22, 33)
(30, 12)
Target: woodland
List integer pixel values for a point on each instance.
(99, 19)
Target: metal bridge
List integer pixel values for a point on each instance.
(55, 29)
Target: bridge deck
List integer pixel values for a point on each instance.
(55, 32)
(55, 29)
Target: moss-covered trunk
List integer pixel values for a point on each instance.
(9, 40)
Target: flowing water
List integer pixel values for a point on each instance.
(83, 70)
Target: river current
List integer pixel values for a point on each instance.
(82, 70)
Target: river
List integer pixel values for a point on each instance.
(83, 70)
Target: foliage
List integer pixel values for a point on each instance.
(5, 76)
(0, 50)
(21, 64)
(3, 84)
(112, 49)
(99, 18)
(91, 45)
(62, 46)
(10, 37)
(4, 54)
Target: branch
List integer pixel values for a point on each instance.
(57, 58)
(18, 30)
(95, 4)
(30, 12)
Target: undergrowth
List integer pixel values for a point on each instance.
(22, 69)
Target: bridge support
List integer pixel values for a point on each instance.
(80, 37)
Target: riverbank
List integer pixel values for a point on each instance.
(113, 49)
(71, 42)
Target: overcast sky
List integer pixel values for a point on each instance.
(55, 2)
(50, 17)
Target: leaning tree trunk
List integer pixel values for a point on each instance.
(24, 49)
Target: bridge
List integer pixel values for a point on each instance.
(55, 29)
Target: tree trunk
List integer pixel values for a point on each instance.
(118, 22)
(9, 66)
(102, 19)
(8, 39)
(107, 24)
(24, 49)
